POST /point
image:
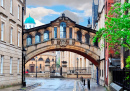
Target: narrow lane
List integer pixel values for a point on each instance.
(53, 84)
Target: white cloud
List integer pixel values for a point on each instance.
(39, 12)
(73, 15)
(38, 23)
(85, 5)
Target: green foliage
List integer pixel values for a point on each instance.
(117, 29)
(58, 63)
(128, 62)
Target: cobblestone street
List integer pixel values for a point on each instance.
(54, 84)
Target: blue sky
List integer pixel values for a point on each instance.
(45, 11)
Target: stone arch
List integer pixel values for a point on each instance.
(89, 52)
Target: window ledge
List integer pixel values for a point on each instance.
(2, 75)
(2, 7)
(18, 74)
(11, 74)
(18, 19)
(11, 14)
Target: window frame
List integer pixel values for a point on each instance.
(18, 66)
(11, 58)
(2, 63)
(18, 12)
(70, 36)
(39, 35)
(29, 36)
(2, 3)
(2, 30)
(11, 35)
(11, 6)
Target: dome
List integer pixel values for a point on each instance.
(30, 20)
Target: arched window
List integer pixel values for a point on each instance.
(46, 35)
(79, 36)
(40, 59)
(47, 60)
(29, 39)
(87, 38)
(32, 59)
(70, 33)
(55, 32)
(62, 30)
(37, 38)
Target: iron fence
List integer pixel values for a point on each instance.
(119, 77)
(81, 70)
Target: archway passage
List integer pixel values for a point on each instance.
(89, 52)
(73, 39)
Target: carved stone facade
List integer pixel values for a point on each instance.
(48, 43)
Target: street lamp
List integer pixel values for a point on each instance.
(77, 66)
(36, 66)
(24, 54)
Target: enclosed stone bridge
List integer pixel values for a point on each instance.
(62, 34)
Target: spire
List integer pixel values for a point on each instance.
(63, 15)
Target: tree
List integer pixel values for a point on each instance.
(117, 28)
(58, 63)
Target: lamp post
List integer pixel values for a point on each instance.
(77, 66)
(24, 54)
(36, 66)
(23, 50)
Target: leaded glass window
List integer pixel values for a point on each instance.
(46, 35)
(70, 33)
(37, 38)
(87, 38)
(79, 36)
(62, 30)
(55, 32)
(29, 40)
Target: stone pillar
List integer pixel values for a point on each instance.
(58, 32)
(83, 38)
(47, 69)
(83, 62)
(67, 33)
(52, 32)
(73, 32)
(42, 38)
(64, 69)
(33, 39)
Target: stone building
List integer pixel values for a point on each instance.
(11, 42)
(38, 61)
(41, 60)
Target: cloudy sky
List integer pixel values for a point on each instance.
(44, 11)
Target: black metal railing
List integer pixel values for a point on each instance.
(81, 70)
(119, 77)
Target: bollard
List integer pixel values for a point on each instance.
(88, 84)
(81, 78)
(84, 82)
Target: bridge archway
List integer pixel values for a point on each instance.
(70, 37)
